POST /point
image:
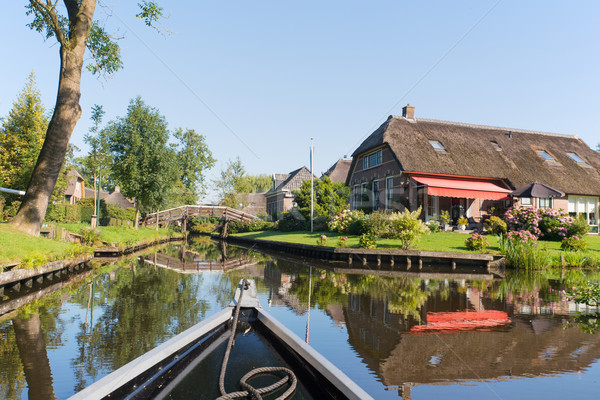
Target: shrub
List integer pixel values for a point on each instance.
(407, 227)
(445, 217)
(367, 241)
(203, 225)
(33, 260)
(521, 237)
(289, 222)
(249, 226)
(341, 222)
(573, 243)
(575, 259)
(90, 236)
(433, 225)
(342, 241)
(544, 223)
(523, 254)
(320, 223)
(495, 225)
(579, 227)
(378, 223)
(476, 242)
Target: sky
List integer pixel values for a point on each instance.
(260, 79)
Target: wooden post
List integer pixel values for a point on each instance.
(562, 260)
(378, 260)
(453, 265)
(349, 258)
(364, 260)
(408, 262)
(420, 262)
(392, 261)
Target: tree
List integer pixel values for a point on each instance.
(74, 29)
(143, 164)
(193, 157)
(259, 183)
(21, 137)
(329, 198)
(232, 185)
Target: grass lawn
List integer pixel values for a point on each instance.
(122, 235)
(16, 246)
(440, 241)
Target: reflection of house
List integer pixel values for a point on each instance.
(465, 169)
(280, 197)
(75, 187)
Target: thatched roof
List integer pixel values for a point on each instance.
(486, 151)
(74, 179)
(339, 171)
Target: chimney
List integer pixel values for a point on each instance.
(408, 111)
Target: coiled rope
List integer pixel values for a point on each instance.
(285, 373)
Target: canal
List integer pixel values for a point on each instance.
(399, 335)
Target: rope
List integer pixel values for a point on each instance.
(285, 373)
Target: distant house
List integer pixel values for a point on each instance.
(75, 187)
(467, 169)
(280, 198)
(255, 203)
(115, 197)
(339, 171)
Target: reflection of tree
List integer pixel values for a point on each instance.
(142, 308)
(32, 349)
(12, 377)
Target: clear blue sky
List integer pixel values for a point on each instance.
(259, 79)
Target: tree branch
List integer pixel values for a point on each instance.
(72, 10)
(48, 12)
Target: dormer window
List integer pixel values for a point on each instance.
(438, 147)
(580, 161)
(372, 160)
(495, 145)
(545, 155)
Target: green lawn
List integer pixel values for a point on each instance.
(16, 246)
(440, 241)
(122, 235)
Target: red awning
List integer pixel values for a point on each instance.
(462, 188)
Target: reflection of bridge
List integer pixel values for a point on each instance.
(192, 267)
(182, 213)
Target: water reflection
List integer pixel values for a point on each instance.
(403, 331)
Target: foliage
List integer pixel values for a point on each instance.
(342, 241)
(203, 225)
(407, 227)
(330, 198)
(232, 185)
(579, 227)
(250, 226)
(378, 223)
(90, 236)
(342, 221)
(194, 158)
(291, 221)
(258, 183)
(142, 162)
(476, 242)
(573, 243)
(33, 260)
(523, 254)
(521, 237)
(367, 241)
(495, 225)
(462, 221)
(586, 293)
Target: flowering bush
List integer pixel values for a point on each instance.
(573, 243)
(521, 237)
(341, 222)
(342, 241)
(476, 242)
(367, 241)
(322, 240)
(543, 223)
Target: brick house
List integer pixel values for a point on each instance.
(280, 198)
(467, 169)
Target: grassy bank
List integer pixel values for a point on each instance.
(16, 246)
(440, 241)
(123, 235)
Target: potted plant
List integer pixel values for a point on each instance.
(445, 220)
(462, 223)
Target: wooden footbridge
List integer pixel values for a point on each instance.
(182, 213)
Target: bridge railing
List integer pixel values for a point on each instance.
(178, 213)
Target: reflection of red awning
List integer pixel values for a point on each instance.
(462, 321)
(462, 188)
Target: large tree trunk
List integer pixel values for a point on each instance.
(66, 114)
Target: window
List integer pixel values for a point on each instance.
(356, 198)
(526, 201)
(548, 158)
(545, 155)
(364, 197)
(438, 147)
(580, 161)
(585, 207)
(545, 202)
(389, 194)
(375, 195)
(372, 160)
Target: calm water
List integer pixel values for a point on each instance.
(404, 336)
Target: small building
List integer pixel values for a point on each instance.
(280, 198)
(75, 187)
(469, 169)
(115, 198)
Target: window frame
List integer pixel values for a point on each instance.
(527, 203)
(378, 160)
(389, 194)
